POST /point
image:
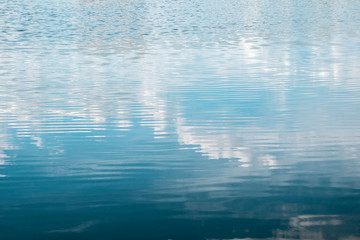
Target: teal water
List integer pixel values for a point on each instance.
(179, 119)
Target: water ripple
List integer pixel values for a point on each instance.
(185, 119)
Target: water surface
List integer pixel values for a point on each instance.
(179, 119)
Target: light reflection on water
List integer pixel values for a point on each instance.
(179, 119)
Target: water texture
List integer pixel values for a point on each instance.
(179, 119)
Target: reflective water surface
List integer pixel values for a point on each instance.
(180, 119)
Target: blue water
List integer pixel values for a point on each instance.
(179, 119)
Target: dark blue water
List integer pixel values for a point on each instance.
(179, 119)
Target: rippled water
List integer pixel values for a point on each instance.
(180, 119)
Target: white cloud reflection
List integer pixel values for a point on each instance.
(305, 227)
(232, 88)
(100, 83)
(86, 99)
(77, 229)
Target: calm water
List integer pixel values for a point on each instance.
(179, 119)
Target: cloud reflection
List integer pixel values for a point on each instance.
(248, 83)
(77, 229)
(305, 227)
(219, 108)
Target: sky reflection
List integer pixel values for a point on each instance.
(251, 97)
(235, 119)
